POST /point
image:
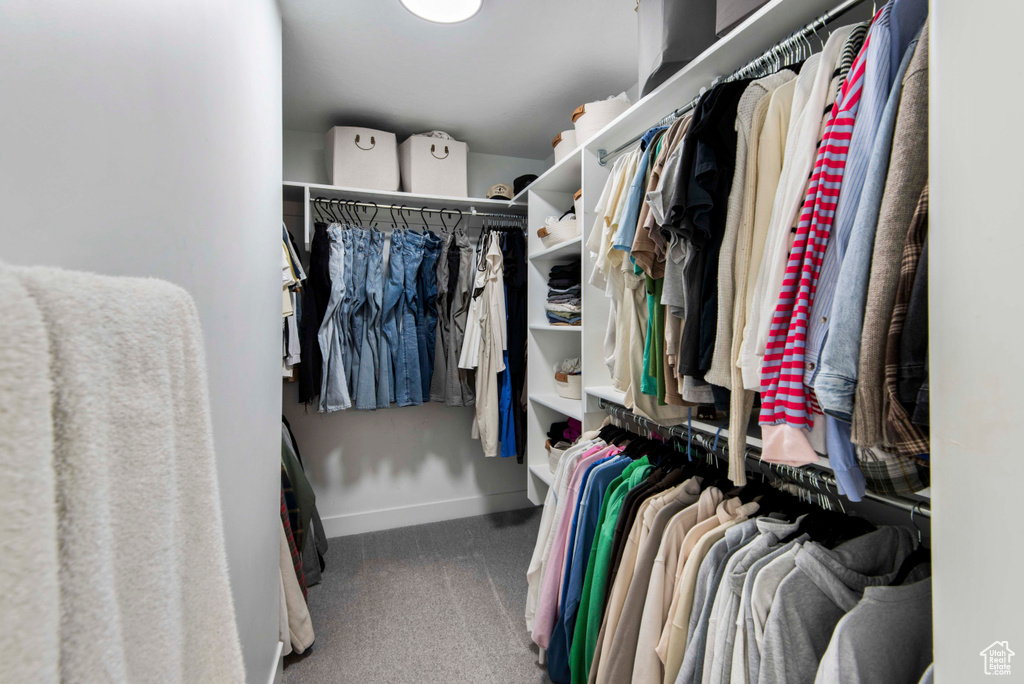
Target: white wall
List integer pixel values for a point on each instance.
(304, 163)
(144, 138)
(395, 467)
(977, 370)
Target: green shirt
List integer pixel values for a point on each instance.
(653, 381)
(591, 609)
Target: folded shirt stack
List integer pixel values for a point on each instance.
(563, 305)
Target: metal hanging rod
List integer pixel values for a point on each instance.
(706, 440)
(371, 205)
(772, 57)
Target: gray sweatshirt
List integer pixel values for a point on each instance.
(722, 628)
(887, 637)
(746, 651)
(824, 586)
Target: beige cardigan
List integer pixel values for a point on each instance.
(647, 667)
(672, 646)
(907, 178)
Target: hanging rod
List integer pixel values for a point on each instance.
(370, 205)
(770, 56)
(793, 474)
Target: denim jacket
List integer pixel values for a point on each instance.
(837, 374)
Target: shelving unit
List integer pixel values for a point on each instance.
(568, 248)
(551, 194)
(558, 178)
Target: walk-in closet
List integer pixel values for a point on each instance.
(564, 341)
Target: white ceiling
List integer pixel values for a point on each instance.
(506, 81)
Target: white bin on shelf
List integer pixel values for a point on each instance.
(593, 116)
(569, 386)
(434, 166)
(362, 158)
(564, 143)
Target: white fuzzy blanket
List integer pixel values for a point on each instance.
(29, 607)
(142, 573)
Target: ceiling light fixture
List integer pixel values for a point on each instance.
(443, 11)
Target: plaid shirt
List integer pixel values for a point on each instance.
(890, 474)
(292, 548)
(902, 435)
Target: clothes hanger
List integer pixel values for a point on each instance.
(440, 216)
(376, 208)
(319, 211)
(915, 558)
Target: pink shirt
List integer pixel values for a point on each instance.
(547, 603)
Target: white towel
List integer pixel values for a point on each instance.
(30, 614)
(144, 592)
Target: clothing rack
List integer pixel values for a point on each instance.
(708, 441)
(391, 207)
(774, 58)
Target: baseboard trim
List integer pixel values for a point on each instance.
(418, 514)
(277, 674)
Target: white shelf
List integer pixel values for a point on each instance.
(768, 25)
(395, 197)
(547, 327)
(565, 176)
(607, 392)
(563, 249)
(573, 408)
(542, 473)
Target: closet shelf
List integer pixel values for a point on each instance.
(573, 408)
(768, 25)
(294, 192)
(562, 177)
(608, 393)
(564, 249)
(543, 473)
(556, 328)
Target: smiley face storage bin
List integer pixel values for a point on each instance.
(362, 158)
(434, 166)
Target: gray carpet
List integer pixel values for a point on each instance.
(429, 604)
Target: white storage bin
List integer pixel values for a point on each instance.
(434, 166)
(556, 231)
(577, 203)
(555, 452)
(569, 386)
(564, 143)
(593, 116)
(362, 158)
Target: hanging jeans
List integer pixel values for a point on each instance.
(370, 392)
(461, 382)
(426, 330)
(394, 296)
(357, 321)
(334, 395)
(439, 377)
(345, 320)
(408, 369)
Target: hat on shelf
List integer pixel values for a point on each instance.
(500, 191)
(519, 184)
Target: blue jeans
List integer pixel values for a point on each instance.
(366, 321)
(412, 319)
(426, 332)
(345, 313)
(357, 321)
(334, 394)
(394, 295)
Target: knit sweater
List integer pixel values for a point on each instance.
(763, 177)
(748, 129)
(903, 188)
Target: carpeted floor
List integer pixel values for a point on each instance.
(429, 604)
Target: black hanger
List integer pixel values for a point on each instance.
(915, 558)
